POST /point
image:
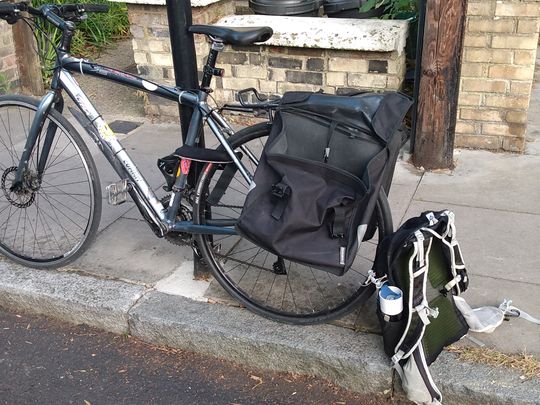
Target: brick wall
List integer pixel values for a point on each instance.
(152, 47)
(499, 54)
(8, 60)
(270, 69)
(275, 70)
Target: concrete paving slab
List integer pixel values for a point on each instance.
(111, 213)
(533, 148)
(495, 243)
(181, 282)
(405, 173)
(355, 361)
(133, 213)
(149, 143)
(488, 180)
(129, 250)
(70, 297)
(399, 199)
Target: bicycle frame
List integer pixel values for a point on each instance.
(163, 220)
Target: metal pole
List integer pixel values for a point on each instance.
(183, 53)
(185, 73)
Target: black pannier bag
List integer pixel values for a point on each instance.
(319, 175)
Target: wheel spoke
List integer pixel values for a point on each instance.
(250, 272)
(48, 218)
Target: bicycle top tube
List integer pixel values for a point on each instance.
(85, 67)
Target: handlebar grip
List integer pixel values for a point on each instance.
(96, 8)
(7, 8)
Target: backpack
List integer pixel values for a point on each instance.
(419, 270)
(319, 176)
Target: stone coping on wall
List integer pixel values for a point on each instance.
(194, 3)
(328, 33)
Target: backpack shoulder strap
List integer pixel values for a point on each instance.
(418, 311)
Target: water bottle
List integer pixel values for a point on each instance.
(390, 300)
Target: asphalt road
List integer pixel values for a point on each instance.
(48, 362)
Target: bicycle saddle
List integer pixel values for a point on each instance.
(234, 35)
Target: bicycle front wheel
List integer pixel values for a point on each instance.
(52, 219)
(302, 295)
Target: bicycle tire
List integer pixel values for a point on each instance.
(351, 283)
(51, 236)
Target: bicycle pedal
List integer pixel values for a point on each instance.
(117, 193)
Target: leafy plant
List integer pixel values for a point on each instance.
(5, 85)
(394, 9)
(91, 37)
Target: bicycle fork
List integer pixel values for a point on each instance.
(50, 100)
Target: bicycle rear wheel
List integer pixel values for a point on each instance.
(303, 295)
(51, 221)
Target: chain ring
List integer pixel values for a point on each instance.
(8, 193)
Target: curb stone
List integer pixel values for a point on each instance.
(471, 383)
(70, 297)
(353, 360)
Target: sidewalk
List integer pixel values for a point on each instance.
(129, 281)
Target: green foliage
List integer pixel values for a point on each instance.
(5, 86)
(92, 36)
(395, 9)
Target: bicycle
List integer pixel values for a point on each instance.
(45, 225)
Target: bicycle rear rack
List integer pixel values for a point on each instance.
(251, 101)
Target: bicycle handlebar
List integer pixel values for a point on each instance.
(6, 8)
(83, 8)
(53, 13)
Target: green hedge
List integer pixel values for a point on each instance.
(92, 36)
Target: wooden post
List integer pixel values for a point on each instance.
(28, 62)
(439, 84)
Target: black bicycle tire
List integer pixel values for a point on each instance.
(363, 293)
(65, 125)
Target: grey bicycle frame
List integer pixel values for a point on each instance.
(149, 205)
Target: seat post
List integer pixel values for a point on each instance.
(209, 69)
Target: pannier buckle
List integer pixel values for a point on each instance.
(281, 190)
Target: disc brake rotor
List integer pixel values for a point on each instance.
(20, 199)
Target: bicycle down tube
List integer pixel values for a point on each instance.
(104, 135)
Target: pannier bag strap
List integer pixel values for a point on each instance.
(338, 226)
(281, 193)
(331, 131)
